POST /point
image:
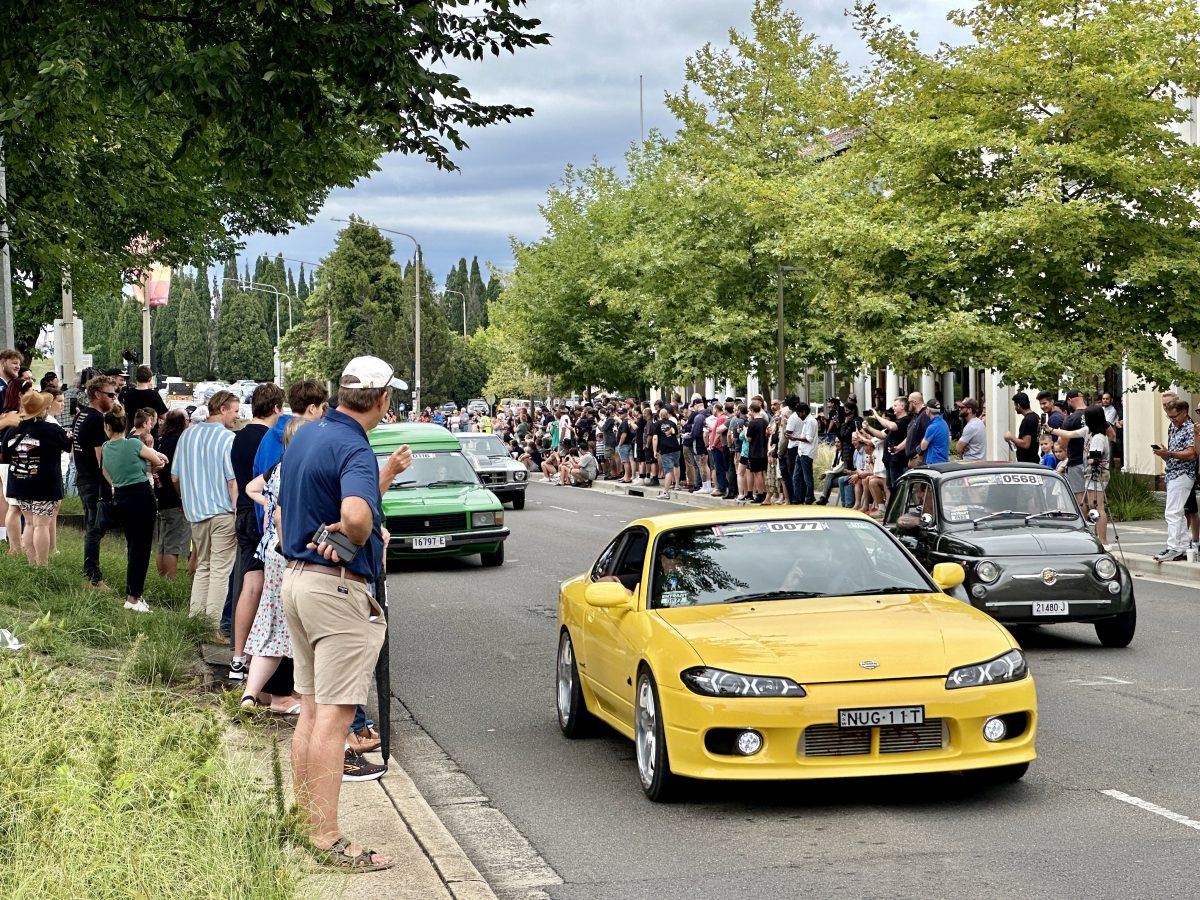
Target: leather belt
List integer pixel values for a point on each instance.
(303, 565)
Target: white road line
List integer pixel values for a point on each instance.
(1153, 807)
(572, 511)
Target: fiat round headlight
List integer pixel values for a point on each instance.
(1009, 667)
(1106, 568)
(719, 683)
(987, 571)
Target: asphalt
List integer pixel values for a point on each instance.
(473, 662)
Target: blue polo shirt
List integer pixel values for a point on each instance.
(937, 432)
(325, 463)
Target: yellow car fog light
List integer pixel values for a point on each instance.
(994, 729)
(748, 742)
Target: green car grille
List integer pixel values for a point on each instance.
(431, 524)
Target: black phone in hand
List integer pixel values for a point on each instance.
(346, 550)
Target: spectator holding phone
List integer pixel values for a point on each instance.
(332, 486)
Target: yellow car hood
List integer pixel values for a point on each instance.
(830, 639)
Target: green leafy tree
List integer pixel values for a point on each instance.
(1023, 201)
(244, 349)
(192, 356)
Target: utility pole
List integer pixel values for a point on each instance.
(70, 373)
(6, 304)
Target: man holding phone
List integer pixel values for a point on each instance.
(333, 539)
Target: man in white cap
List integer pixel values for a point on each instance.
(331, 481)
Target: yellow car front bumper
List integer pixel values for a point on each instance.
(694, 724)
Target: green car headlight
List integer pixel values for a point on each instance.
(486, 519)
(1009, 667)
(719, 683)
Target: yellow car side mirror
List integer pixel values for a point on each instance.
(948, 576)
(608, 595)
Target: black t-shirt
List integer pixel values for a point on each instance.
(848, 426)
(139, 398)
(1074, 445)
(756, 435)
(668, 436)
(895, 438)
(584, 428)
(36, 471)
(88, 432)
(165, 490)
(652, 428)
(624, 434)
(241, 455)
(1029, 426)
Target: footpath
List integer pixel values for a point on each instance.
(389, 815)
(1133, 543)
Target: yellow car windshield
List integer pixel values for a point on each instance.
(779, 560)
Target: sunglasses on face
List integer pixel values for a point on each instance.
(111, 395)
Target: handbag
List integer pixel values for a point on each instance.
(108, 517)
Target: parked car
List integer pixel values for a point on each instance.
(204, 390)
(787, 643)
(1029, 556)
(504, 476)
(439, 507)
(479, 406)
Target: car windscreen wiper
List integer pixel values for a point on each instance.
(447, 481)
(401, 484)
(1003, 514)
(1051, 514)
(890, 589)
(775, 595)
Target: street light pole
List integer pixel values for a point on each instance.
(779, 326)
(6, 304)
(416, 317)
(464, 306)
(306, 262)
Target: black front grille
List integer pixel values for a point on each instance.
(830, 740)
(432, 524)
(493, 477)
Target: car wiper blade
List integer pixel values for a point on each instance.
(1003, 514)
(891, 589)
(447, 481)
(1051, 514)
(774, 595)
(401, 484)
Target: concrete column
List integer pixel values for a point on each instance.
(972, 382)
(1001, 415)
(928, 384)
(752, 386)
(948, 380)
(893, 385)
(830, 383)
(710, 388)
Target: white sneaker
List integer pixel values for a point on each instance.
(141, 606)
(665, 495)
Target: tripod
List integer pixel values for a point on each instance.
(1095, 479)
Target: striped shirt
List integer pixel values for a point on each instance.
(203, 466)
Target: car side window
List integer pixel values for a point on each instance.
(607, 559)
(897, 507)
(633, 554)
(920, 499)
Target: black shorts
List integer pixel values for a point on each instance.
(248, 537)
(757, 463)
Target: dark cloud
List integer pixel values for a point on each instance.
(584, 90)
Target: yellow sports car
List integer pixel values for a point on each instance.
(788, 642)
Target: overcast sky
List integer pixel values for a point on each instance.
(584, 92)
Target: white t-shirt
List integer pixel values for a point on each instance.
(976, 437)
(793, 426)
(877, 443)
(808, 430)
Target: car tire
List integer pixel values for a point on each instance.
(493, 559)
(518, 501)
(996, 775)
(1118, 631)
(391, 564)
(650, 743)
(574, 720)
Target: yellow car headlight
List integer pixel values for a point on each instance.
(719, 683)
(1009, 667)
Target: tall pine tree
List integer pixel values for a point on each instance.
(192, 357)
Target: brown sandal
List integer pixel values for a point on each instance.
(338, 856)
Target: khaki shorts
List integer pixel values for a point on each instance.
(335, 643)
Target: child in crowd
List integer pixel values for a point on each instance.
(1047, 452)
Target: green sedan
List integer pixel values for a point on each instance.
(438, 507)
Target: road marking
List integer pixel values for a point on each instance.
(1100, 681)
(1153, 807)
(572, 511)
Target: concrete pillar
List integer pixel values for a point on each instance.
(1001, 415)
(710, 388)
(893, 385)
(752, 387)
(972, 382)
(830, 383)
(928, 384)
(948, 380)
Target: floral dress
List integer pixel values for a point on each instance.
(269, 633)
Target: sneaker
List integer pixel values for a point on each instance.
(1169, 555)
(99, 585)
(654, 482)
(365, 740)
(664, 495)
(237, 669)
(140, 606)
(355, 768)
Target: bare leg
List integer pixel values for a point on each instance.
(12, 522)
(54, 528)
(261, 670)
(247, 609)
(37, 541)
(319, 775)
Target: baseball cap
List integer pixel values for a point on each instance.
(370, 372)
(969, 403)
(934, 405)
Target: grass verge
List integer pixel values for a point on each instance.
(115, 779)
